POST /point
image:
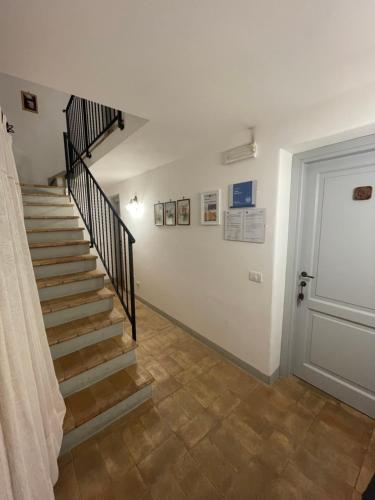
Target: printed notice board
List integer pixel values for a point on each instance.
(247, 224)
(243, 194)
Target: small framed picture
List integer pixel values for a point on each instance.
(183, 212)
(29, 102)
(170, 213)
(210, 208)
(159, 214)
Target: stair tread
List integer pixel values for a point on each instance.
(59, 243)
(38, 193)
(51, 216)
(79, 327)
(53, 229)
(63, 260)
(39, 185)
(88, 403)
(68, 278)
(61, 303)
(31, 204)
(89, 357)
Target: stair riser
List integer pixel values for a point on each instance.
(36, 223)
(63, 251)
(97, 373)
(54, 292)
(59, 181)
(43, 189)
(85, 431)
(78, 312)
(30, 210)
(59, 200)
(72, 345)
(66, 268)
(54, 236)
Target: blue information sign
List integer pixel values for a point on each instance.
(242, 194)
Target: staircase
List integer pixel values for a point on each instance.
(95, 361)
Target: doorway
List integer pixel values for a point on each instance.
(329, 315)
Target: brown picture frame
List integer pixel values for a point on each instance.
(183, 212)
(159, 210)
(170, 213)
(29, 102)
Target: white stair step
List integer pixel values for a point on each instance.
(70, 284)
(45, 268)
(42, 188)
(45, 221)
(70, 337)
(52, 249)
(66, 309)
(47, 209)
(97, 406)
(56, 199)
(39, 235)
(85, 367)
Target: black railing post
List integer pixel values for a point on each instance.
(120, 120)
(89, 209)
(85, 129)
(132, 295)
(67, 159)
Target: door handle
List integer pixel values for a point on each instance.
(305, 275)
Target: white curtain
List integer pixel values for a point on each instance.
(31, 406)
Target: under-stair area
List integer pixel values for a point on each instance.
(94, 357)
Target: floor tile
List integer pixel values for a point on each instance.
(161, 459)
(213, 465)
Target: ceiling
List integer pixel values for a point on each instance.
(198, 70)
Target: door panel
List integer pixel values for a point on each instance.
(335, 335)
(336, 346)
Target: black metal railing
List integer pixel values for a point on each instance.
(87, 122)
(108, 233)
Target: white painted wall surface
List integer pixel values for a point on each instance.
(196, 276)
(38, 139)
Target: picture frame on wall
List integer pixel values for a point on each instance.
(29, 102)
(183, 212)
(159, 214)
(170, 213)
(210, 208)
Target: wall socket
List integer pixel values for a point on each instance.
(138, 283)
(256, 276)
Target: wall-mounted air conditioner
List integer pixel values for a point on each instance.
(240, 153)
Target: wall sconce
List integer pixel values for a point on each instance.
(134, 207)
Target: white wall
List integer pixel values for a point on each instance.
(196, 276)
(38, 141)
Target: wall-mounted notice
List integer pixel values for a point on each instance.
(245, 225)
(242, 194)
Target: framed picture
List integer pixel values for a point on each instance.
(159, 214)
(183, 212)
(170, 213)
(210, 208)
(29, 102)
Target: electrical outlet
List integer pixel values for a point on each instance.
(138, 283)
(255, 276)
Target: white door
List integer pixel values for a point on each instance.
(334, 342)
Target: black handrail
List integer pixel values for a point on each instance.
(87, 122)
(108, 233)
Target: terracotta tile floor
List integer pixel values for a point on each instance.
(212, 431)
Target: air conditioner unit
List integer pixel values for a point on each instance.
(240, 153)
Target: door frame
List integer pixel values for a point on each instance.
(300, 162)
